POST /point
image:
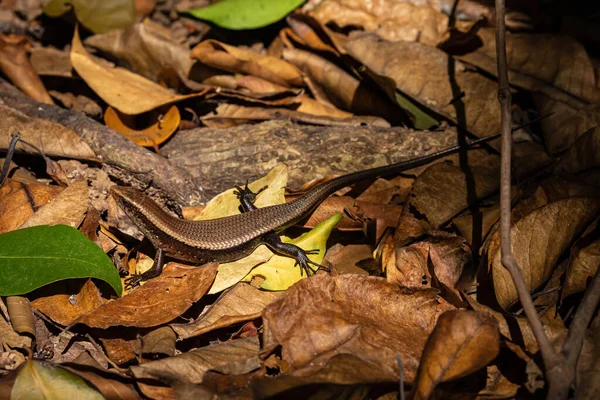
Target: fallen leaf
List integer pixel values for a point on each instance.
(461, 343)
(97, 15)
(64, 308)
(166, 124)
(444, 190)
(238, 60)
(227, 115)
(67, 208)
(367, 317)
(121, 351)
(127, 92)
(582, 267)
(242, 302)
(391, 20)
(588, 366)
(19, 201)
(583, 154)
(537, 241)
(236, 357)
(343, 89)
(346, 258)
(421, 72)
(281, 272)
(149, 50)
(16, 66)
(160, 341)
(239, 14)
(564, 123)
(41, 379)
(158, 301)
(537, 62)
(52, 138)
(232, 272)
(21, 315)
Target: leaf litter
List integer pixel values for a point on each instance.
(415, 281)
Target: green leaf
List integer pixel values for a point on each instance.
(422, 119)
(43, 380)
(280, 272)
(245, 14)
(33, 257)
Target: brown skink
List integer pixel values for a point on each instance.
(234, 237)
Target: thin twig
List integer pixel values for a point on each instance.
(9, 155)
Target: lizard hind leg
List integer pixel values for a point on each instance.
(273, 241)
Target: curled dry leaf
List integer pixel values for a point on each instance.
(584, 154)
(242, 302)
(235, 357)
(67, 208)
(444, 190)
(21, 315)
(166, 124)
(538, 240)
(11, 339)
(16, 66)
(352, 314)
(65, 308)
(238, 60)
(537, 62)
(344, 90)
(564, 122)
(437, 262)
(122, 89)
(18, 202)
(149, 50)
(52, 138)
(159, 341)
(158, 301)
(307, 31)
(391, 20)
(461, 343)
(422, 72)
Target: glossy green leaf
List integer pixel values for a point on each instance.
(280, 272)
(43, 380)
(33, 257)
(246, 14)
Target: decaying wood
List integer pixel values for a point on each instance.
(111, 147)
(222, 158)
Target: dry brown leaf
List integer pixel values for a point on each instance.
(461, 343)
(309, 105)
(242, 302)
(248, 62)
(444, 190)
(52, 138)
(543, 62)
(227, 115)
(476, 226)
(584, 154)
(49, 61)
(67, 208)
(149, 50)
(122, 89)
(236, 357)
(346, 258)
(21, 315)
(344, 90)
(166, 124)
(160, 341)
(565, 123)
(120, 351)
(392, 20)
(437, 262)
(320, 317)
(582, 267)
(16, 66)
(517, 328)
(307, 31)
(588, 367)
(538, 240)
(156, 302)
(110, 388)
(65, 308)
(18, 202)
(421, 72)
